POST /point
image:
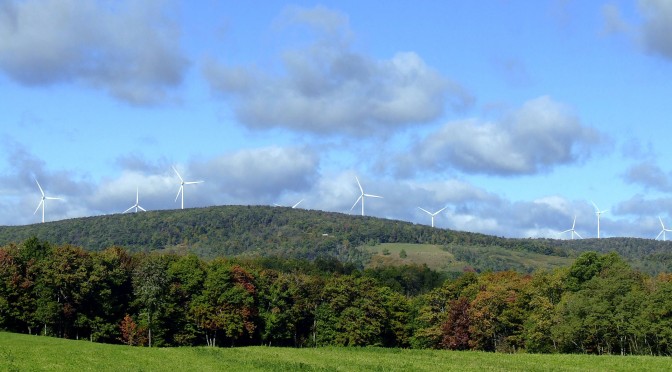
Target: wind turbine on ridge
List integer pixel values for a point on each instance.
(598, 212)
(293, 206)
(137, 203)
(43, 200)
(662, 232)
(362, 196)
(182, 183)
(433, 214)
(572, 230)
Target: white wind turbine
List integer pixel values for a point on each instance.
(598, 212)
(433, 214)
(572, 230)
(293, 206)
(43, 200)
(362, 196)
(137, 203)
(662, 232)
(182, 183)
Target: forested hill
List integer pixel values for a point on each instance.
(300, 233)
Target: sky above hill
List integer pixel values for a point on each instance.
(516, 115)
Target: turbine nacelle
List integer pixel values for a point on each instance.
(433, 214)
(362, 196)
(663, 231)
(43, 200)
(182, 183)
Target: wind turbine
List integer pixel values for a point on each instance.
(293, 206)
(137, 203)
(433, 214)
(662, 232)
(362, 196)
(572, 230)
(182, 183)
(598, 212)
(43, 200)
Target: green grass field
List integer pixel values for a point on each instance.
(440, 260)
(26, 353)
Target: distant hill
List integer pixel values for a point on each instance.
(308, 234)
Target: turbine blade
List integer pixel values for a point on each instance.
(661, 222)
(441, 210)
(38, 185)
(565, 231)
(574, 223)
(358, 199)
(595, 205)
(659, 234)
(178, 192)
(38, 206)
(178, 174)
(277, 205)
(133, 206)
(193, 182)
(142, 209)
(577, 234)
(424, 210)
(360, 185)
(50, 198)
(373, 196)
(297, 204)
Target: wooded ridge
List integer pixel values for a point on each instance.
(306, 234)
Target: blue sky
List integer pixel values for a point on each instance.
(517, 115)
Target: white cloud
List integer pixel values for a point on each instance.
(540, 135)
(327, 87)
(657, 27)
(129, 49)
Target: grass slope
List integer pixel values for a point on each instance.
(24, 352)
(440, 258)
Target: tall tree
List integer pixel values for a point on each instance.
(150, 287)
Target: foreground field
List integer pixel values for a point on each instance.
(23, 352)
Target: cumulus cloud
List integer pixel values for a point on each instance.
(540, 135)
(649, 175)
(654, 32)
(129, 49)
(327, 87)
(657, 27)
(261, 174)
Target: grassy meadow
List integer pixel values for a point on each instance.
(23, 352)
(436, 258)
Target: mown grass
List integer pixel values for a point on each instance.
(34, 353)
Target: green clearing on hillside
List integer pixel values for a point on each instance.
(24, 352)
(455, 259)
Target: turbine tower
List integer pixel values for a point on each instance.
(362, 196)
(598, 212)
(433, 214)
(662, 232)
(137, 203)
(43, 200)
(572, 230)
(182, 183)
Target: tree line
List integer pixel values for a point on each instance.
(598, 305)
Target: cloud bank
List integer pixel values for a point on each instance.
(327, 87)
(129, 49)
(539, 136)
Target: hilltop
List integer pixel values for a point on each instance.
(309, 234)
